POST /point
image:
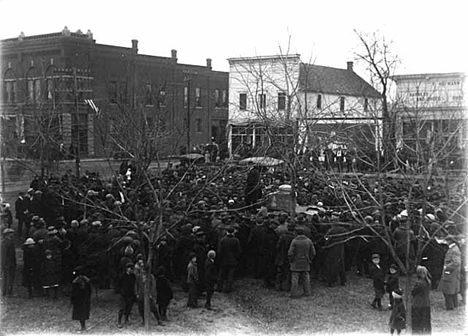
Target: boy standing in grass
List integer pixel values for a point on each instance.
(378, 279)
(393, 283)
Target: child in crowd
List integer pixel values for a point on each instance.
(164, 292)
(398, 316)
(393, 283)
(50, 274)
(378, 279)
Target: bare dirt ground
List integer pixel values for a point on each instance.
(250, 310)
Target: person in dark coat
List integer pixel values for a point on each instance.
(378, 282)
(50, 274)
(449, 283)
(164, 292)
(301, 254)
(253, 191)
(421, 304)
(398, 317)
(80, 297)
(31, 266)
(335, 255)
(210, 277)
(21, 212)
(393, 283)
(256, 242)
(283, 273)
(229, 252)
(8, 262)
(192, 281)
(126, 289)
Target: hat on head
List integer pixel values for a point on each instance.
(29, 241)
(450, 239)
(30, 190)
(38, 192)
(96, 223)
(397, 293)
(78, 270)
(35, 218)
(52, 230)
(74, 223)
(375, 256)
(128, 250)
(160, 271)
(394, 267)
(129, 264)
(211, 254)
(230, 229)
(7, 231)
(195, 229)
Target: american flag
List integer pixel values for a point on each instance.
(94, 107)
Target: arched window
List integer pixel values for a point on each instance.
(49, 85)
(9, 87)
(33, 86)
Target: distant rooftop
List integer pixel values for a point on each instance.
(64, 32)
(324, 79)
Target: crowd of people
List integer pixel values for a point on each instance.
(207, 225)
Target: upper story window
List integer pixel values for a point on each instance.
(198, 99)
(33, 86)
(186, 96)
(10, 87)
(225, 98)
(319, 101)
(217, 101)
(149, 95)
(342, 104)
(262, 100)
(242, 101)
(281, 101)
(366, 105)
(198, 125)
(118, 92)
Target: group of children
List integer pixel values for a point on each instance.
(390, 285)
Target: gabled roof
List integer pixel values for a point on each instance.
(323, 79)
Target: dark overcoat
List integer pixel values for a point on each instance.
(80, 298)
(398, 316)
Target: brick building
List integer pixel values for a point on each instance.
(66, 90)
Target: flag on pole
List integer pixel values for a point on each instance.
(94, 107)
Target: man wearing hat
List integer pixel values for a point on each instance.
(8, 262)
(449, 283)
(229, 252)
(300, 254)
(126, 289)
(283, 272)
(21, 215)
(31, 266)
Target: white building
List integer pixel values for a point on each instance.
(431, 109)
(281, 90)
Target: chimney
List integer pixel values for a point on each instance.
(349, 66)
(135, 46)
(208, 63)
(174, 55)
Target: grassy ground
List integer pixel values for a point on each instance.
(249, 310)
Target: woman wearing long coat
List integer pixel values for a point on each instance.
(80, 297)
(421, 304)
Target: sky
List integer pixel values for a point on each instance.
(427, 36)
